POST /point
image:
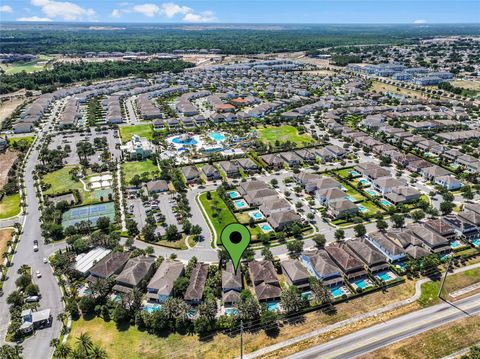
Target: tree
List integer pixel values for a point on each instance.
(103, 224)
(120, 314)
(360, 230)
(398, 220)
(180, 286)
(321, 293)
(148, 233)
(382, 225)
(267, 254)
(172, 233)
(87, 304)
(248, 308)
(62, 351)
(418, 215)
(295, 248)
(84, 344)
(339, 234)
(319, 240)
(11, 352)
(291, 300)
(132, 228)
(446, 207)
(274, 182)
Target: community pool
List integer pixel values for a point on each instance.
(231, 311)
(476, 242)
(372, 193)
(273, 306)
(385, 276)
(362, 208)
(385, 203)
(265, 227)
(240, 203)
(233, 194)
(217, 136)
(256, 215)
(152, 307)
(184, 140)
(337, 291)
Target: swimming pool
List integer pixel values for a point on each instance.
(337, 292)
(364, 181)
(231, 311)
(354, 173)
(385, 276)
(217, 136)
(456, 244)
(361, 283)
(371, 192)
(307, 295)
(350, 198)
(233, 194)
(256, 215)
(476, 242)
(152, 307)
(273, 306)
(386, 203)
(362, 209)
(240, 203)
(265, 227)
(184, 140)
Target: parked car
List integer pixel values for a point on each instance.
(35, 248)
(32, 298)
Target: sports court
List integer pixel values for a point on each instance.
(88, 213)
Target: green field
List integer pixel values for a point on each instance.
(225, 215)
(61, 182)
(130, 169)
(30, 66)
(10, 206)
(126, 132)
(20, 140)
(271, 134)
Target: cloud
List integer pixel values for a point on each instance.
(205, 16)
(64, 9)
(149, 10)
(170, 9)
(34, 18)
(420, 21)
(115, 13)
(6, 8)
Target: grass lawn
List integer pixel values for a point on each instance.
(61, 182)
(284, 133)
(224, 217)
(435, 343)
(128, 343)
(30, 66)
(345, 172)
(452, 283)
(10, 205)
(371, 207)
(180, 244)
(27, 139)
(145, 130)
(130, 169)
(353, 192)
(5, 236)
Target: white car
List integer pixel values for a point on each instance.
(45, 260)
(38, 274)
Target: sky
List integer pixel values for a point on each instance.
(248, 11)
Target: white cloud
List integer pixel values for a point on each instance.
(6, 8)
(115, 13)
(149, 10)
(64, 9)
(420, 21)
(170, 9)
(34, 18)
(205, 16)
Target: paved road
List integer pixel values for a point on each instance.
(380, 335)
(37, 346)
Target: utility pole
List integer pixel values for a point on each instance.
(241, 339)
(444, 278)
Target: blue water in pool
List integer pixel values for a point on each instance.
(362, 208)
(372, 192)
(337, 292)
(273, 306)
(256, 215)
(231, 311)
(266, 227)
(354, 173)
(307, 295)
(350, 198)
(361, 283)
(385, 202)
(216, 136)
(239, 204)
(476, 242)
(384, 276)
(150, 308)
(455, 244)
(189, 142)
(233, 194)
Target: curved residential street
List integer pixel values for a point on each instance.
(380, 335)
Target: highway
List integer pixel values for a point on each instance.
(381, 335)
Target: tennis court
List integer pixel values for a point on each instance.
(88, 213)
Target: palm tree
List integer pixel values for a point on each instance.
(62, 351)
(98, 353)
(85, 344)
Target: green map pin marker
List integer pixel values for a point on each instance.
(235, 238)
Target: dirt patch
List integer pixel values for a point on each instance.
(8, 107)
(6, 161)
(5, 236)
